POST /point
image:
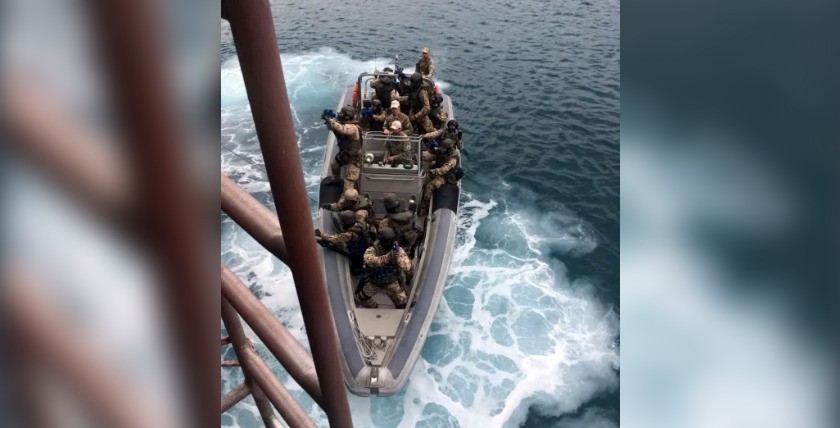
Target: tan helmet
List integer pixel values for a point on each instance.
(351, 195)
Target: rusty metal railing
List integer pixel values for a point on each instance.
(253, 32)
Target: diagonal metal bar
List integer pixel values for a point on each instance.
(279, 341)
(240, 343)
(234, 396)
(256, 371)
(257, 220)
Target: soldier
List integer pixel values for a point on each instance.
(377, 118)
(349, 137)
(366, 115)
(386, 266)
(353, 201)
(384, 87)
(437, 115)
(452, 131)
(445, 159)
(351, 242)
(400, 220)
(419, 104)
(398, 146)
(396, 114)
(425, 64)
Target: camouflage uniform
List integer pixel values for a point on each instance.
(406, 124)
(399, 148)
(438, 116)
(440, 172)
(444, 133)
(387, 269)
(384, 90)
(361, 207)
(349, 137)
(377, 120)
(403, 224)
(426, 67)
(420, 106)
(353, 239)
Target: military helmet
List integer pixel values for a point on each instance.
(388, 70)
(390, 201)
(348, 112)
(438, 99)
(376, 104)
(416, 79)
(452, 123)
(351, 195)
(366, 103)
(347, 217)
(387, 234)
(446, 145)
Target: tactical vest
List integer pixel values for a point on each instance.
(450, 176)
(383, 93)
(401, 221)
(414, 99)
(383, 275)
(358, 246)
(351, 146)
(423, 66)
(342, 140)
(376, 125)
(453, 136)
(364, 204)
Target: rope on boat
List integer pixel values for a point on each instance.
(368, 353)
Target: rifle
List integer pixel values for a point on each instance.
(398, 70)
(332, 247)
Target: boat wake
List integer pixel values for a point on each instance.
(513, 333)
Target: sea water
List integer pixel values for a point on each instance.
(527, 331)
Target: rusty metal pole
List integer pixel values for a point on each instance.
(234, 396)
(252, 28)
(257, 220)
(240, 343)
(258, 375)
(262, 375)
(279, 341)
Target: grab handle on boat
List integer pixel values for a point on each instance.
(371, 177)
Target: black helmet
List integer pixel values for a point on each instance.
(446, 145)
(387, 238)
(452, 124)
(348, 112)
(386, 80)
(416, 79)
(438, 99)
(347, 217)
(391, 202)
(366, 103)
(388, 70)
(376, 104)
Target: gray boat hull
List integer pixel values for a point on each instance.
(380, 347)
